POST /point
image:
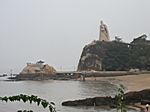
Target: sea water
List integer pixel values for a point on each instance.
(56, 91)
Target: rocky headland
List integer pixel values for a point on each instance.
(116, 55)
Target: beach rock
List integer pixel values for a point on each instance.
(130, 98)
(136, 97)
(96, 101)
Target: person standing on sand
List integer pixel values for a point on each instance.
(147, 106)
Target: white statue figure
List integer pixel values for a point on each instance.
(104, 34)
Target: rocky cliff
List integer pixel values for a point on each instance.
(99, 55)
(116, 55)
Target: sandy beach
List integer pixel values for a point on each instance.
(135, 82)
(131, 82)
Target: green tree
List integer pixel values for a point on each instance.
(139, 53)
(120, 99)
(30, 99)
(116, 57)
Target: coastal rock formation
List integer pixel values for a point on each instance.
(101, 55)
(36, 71)
(90, 60)
(96, 101)
(116, 55)
(130, 98)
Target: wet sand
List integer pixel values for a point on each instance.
(131, 82)
(135, 82)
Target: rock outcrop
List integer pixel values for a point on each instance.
(37, 71)
(116, 55)
(90, 60)
(100, 55)
(130, 98)
(96, 101)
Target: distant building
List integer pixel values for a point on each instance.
(142, 39)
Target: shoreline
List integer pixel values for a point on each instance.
(135, 81)
(132, 82)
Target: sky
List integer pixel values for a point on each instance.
(56, 31)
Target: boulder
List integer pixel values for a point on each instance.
(130, 98)
(96, 101)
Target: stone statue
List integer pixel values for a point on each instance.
(104, 34)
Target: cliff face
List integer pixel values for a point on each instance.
(116, 55)
(101, 55)
(91, 57)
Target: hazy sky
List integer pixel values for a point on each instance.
(57, 30)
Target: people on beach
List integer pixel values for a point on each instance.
(147, 106)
